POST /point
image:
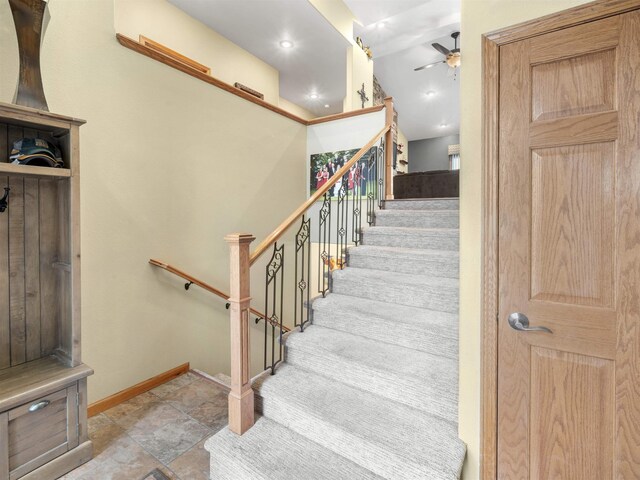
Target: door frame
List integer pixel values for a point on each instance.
(491, 43)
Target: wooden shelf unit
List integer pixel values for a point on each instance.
(43, 382)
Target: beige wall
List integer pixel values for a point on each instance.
(338, 15)
(478, 17)
(359, 71)
(295, 109)
(161, 21)
(170, 165)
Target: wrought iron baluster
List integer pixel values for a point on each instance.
(324, 243)
(273, 311)
(372, 186)
(301, 278)
(381, 175)
(356, 201)
(341, 216)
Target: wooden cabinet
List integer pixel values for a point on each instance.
(43, 382)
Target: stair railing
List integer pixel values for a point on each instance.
(191, 280)
(360, 186)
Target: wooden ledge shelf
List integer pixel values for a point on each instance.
(157, 55)
(31, 171)
(28, 381)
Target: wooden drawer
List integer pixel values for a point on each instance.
(40, 430)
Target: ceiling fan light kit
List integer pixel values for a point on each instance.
(452, 57)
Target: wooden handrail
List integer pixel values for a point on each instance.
(340, 116)
(205, 286)
(284, 226)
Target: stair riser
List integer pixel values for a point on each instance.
(422, 205)
(437, 266)
(436, 397)
(368, 454)
(431, 297)
(428, 242)
(420, 220)
(441, 341)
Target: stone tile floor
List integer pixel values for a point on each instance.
(164, 428)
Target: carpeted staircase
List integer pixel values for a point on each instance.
(370, 390)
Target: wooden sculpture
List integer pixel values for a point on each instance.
(28, 16)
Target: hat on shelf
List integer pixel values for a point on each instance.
(36, 152)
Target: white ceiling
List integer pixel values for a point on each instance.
(315, 64)
(404, 43)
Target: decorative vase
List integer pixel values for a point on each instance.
(28, 17)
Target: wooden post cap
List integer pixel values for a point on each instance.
(239, 238)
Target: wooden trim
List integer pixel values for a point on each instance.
(388, 150)
(147, 42)
(340, 116)
(128, 393)
(241, 396)
(174, 62)
(489, 346)
(585, 13)
(33, 171)
(284, 226)
(490, 254)
(20, 112)
(62, 464)
(155, 55)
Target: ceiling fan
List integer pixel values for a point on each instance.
(452, 56)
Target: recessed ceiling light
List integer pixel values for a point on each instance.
(380, 25)
(286, 44)
(430, 93)
(326, 105)
(313, 96)
(443, 125)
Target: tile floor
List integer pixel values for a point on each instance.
(164, 428)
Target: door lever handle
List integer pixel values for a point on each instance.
(519, 321)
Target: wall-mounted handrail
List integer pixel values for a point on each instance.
(268, 242)
(205, 286)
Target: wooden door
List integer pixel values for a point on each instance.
(569, 253)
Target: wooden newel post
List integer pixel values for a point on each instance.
(388, 149)
(241, 394)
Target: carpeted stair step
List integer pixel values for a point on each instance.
(270, 451)
(440, 263)
(392, 440)
(418, 218)
(433, 293)
(417, 379)
(423, 238)
(425, 330)
(426, 204)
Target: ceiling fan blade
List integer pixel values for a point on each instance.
(428, 65)
(443, 50)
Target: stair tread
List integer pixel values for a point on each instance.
(391, 313)
(364, 426)
(399, 211)
(394, 278)
(434, 372)
(383, 251)
(423, 203)
(420, 329)
(270, 451)
(434, 230)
